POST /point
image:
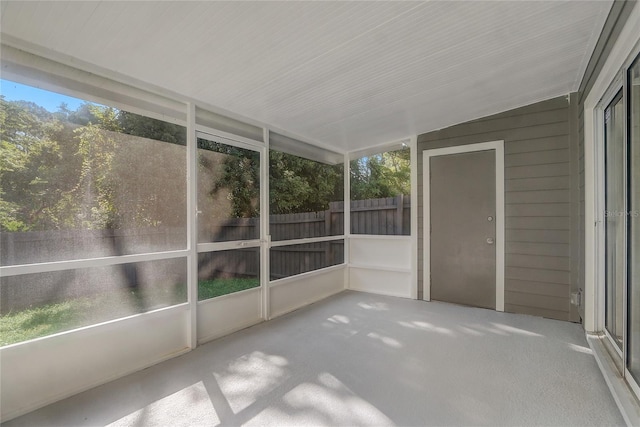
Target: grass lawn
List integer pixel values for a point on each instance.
(217, 287)
(75, 313)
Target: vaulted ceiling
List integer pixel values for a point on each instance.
(346, 74)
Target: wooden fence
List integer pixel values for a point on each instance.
(387, 216)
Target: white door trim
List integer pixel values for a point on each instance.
(498, 147)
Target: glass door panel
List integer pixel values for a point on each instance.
(615, 219)
(633, 317)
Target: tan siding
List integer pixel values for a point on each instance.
(538, 236)
(538, 288)
(533, 145)
(538, 275)
(553, 119)
(548, 196)
(536, 171)
(538, 201)
(537, 209)
(548, 262)
(539, 223)
(544, 249)
(522, 134)
(540, 302)
(533, 308)
(547, 105)
(538, 158)
(531, 184)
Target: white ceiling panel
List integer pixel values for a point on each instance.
(346, 74)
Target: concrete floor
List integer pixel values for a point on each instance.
(361, 359)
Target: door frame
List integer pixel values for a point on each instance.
(218, 309)
(596, 181)
(618, 86)
(498, 148)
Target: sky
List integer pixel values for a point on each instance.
(49, 100)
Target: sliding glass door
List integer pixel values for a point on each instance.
(633, 327)
(621, 256)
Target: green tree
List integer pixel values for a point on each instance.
(382, 175)
(96, 184)
(301, 185)
(146, 127)
(80, 169)
(295, 184)
(240, 177)
(32, 177)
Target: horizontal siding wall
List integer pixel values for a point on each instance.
(538, 198)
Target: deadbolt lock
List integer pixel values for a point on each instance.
(490, 218)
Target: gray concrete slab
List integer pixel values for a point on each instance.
(360, 359)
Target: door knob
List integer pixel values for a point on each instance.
(490, 218)
(489, 241)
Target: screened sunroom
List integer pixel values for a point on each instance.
(320, 213)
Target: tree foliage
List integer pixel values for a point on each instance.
(240, 177)
(158, 130)
(382, 175)
(79, 169)
(32, 145)
(301, 185)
